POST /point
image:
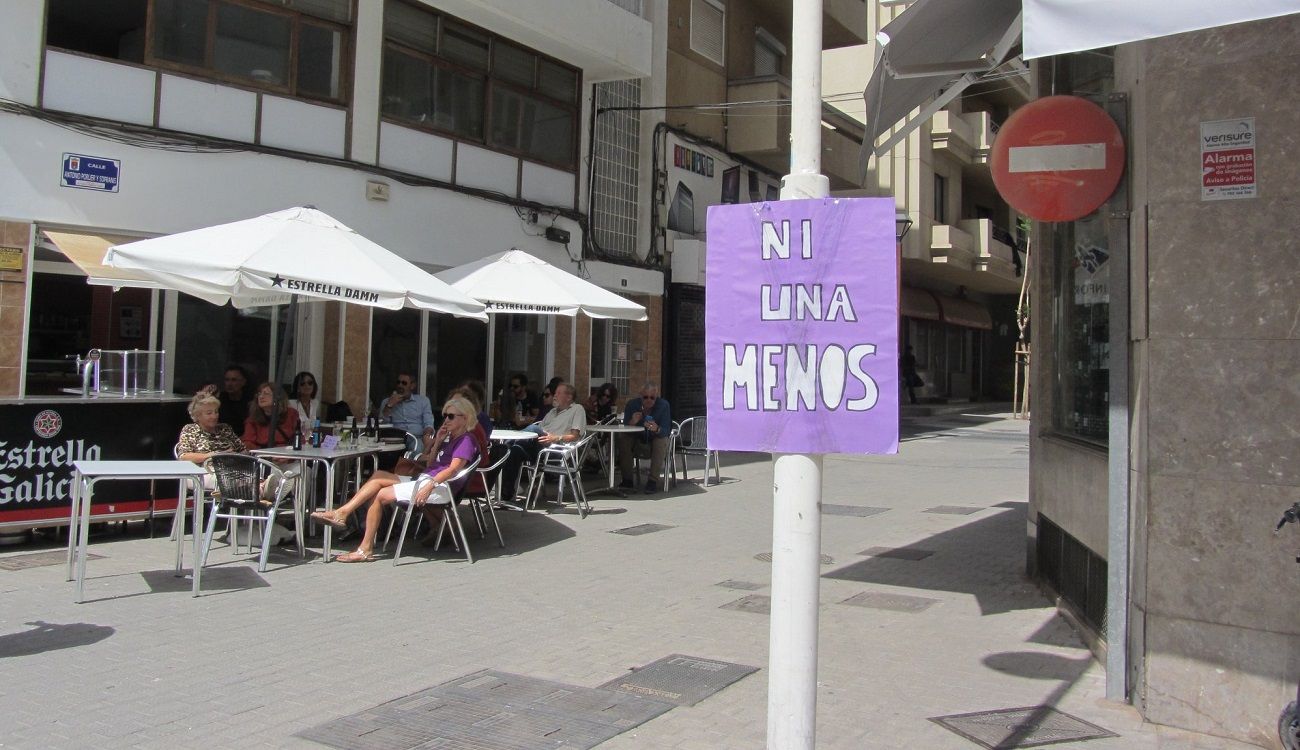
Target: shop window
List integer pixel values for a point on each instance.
(246, 41)
(457, 349)
(211, 337)
(520, 346)
(394, 349)
(1081, 307)
(599, 350)
(437, 72)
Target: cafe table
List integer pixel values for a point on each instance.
(614, 429)
(87, 474)
(328, 457)
(502, 435)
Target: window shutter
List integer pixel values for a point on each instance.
(708, 20)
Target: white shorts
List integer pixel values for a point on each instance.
(404, 491)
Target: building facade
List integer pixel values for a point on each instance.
(1164, 448)
(445, 131)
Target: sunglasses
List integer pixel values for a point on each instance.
(403, 382)
(450, 416)
(516, 386)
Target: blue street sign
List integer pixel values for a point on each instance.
(90, 172)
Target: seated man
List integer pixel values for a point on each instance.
(564, 423)
(407, 409)
(654, 415)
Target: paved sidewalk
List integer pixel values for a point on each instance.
(261, 658)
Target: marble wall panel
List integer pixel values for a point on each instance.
(1211, 555)
(1225, 410)
(1225, 269)
(1218, 680)
(1069, 486)
(1245, 70)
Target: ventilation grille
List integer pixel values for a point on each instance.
(1075, 572)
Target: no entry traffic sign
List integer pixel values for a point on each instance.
(1058, 158)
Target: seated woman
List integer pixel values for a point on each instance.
(257, 428)
(602, 403)
(306, 400)
(206, 435)
(454, 448)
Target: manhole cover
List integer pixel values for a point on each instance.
(740, 585)
(860, 511)
(891, 602)
(492, 709)
(639, 529)
(754, 603)
(40, 560)
(1011, 728)
(897, 553)
(954, 510)
(679, 679)
(767, 557)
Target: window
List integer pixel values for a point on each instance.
(769, 54)
(940, 199)
(1081, 328)
(298, 48)
(708, 24)
(446, 76)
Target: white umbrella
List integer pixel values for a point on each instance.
(516, 282)
(298, 252)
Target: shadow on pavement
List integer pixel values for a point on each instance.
(523, 533)
(47, 636)
(983, 558)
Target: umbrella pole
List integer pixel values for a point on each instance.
(281, 356)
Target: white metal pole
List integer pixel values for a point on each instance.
(797, 479)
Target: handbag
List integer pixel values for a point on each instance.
(406, 467)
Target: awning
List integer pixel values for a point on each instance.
(918, 303)
(86, 251)
(963, 312)
(1055, 27)
(932, 51)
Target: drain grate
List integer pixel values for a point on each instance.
(740, 585)
(1011, 728)
(767, 557)
(491, 709)
(954, 510)
(755, 603)
(891, 602)
(639, 529)
(897, 553)
(860, 511)
(40, 560)
(679, 679)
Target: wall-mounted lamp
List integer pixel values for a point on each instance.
(902, 223)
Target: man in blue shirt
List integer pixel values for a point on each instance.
(654, 415)
(407, 409)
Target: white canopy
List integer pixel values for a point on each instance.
(1055, 27)
(298, 251)
(516, 282)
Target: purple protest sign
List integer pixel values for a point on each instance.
(801, 326)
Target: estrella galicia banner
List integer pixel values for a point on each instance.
(40, 440)
(801, 320)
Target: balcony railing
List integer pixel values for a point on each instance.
(991, 254)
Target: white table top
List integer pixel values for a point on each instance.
(340, 451)
(499, 434)
(615, 428)
(143, 469)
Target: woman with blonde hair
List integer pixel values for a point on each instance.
(206, 435)
(453, 449)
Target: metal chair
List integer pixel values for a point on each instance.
(449, 512)
(668, 477)
(564, 461)
(491, 491)
(241, 480)
(693, 440)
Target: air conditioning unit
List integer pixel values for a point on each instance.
(688, 261)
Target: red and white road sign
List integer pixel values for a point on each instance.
(1058, 158)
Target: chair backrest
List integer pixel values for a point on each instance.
(613, 419)
(338, 412)
(176, 451)
(240, 477)
(392, 432)
(414, 446)
(464, 474)
(693, 432)
(566, 454)
(498, 454)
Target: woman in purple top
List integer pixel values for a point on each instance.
(453, 448)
